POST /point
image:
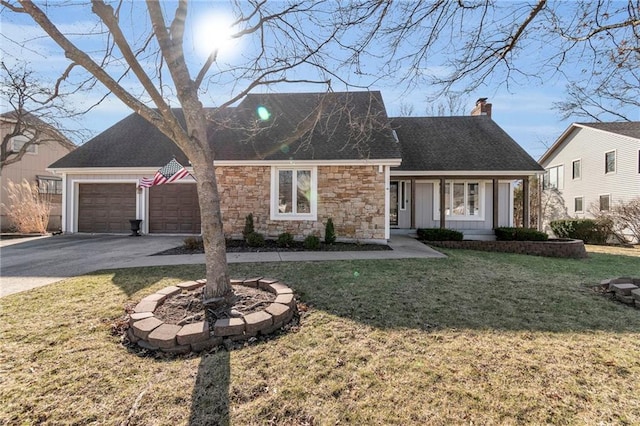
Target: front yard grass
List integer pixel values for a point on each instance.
(478, 338)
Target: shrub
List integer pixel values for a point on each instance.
(519, 234)
(28, 210)
(588, 230)
(193, 243)
(312, 242)
(439, 234)
(255, 239)
(248, 226)
(329, 232)
(284, 240)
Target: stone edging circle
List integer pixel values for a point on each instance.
(149, 332)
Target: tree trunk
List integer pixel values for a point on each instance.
(218, 289)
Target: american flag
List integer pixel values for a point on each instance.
(172, 172)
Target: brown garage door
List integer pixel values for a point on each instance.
(174, 208)
(106, 207)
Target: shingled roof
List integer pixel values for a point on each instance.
(465, 144)
(267, 127)
(624, 128)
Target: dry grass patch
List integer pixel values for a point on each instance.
(478, 337)
(617, 250)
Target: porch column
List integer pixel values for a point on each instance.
(413, 203)
(442, 210)
(496, 205)
(526, 216)
(539, 189)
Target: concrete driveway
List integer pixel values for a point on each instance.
(34, 262)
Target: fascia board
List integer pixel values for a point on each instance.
(467, 173)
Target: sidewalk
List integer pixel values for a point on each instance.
(403, 247)
(35, 262)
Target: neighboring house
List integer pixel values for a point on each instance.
(33, 165)
(593, 166)
(293, 161)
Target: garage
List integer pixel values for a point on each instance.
(106, 207)
(174, 209)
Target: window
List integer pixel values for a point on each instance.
(610, 162)
(554, 178)
(576, 169)
(462, 200)
(293, 193)
(49, 185)
(403, 195)
(577, 204)
(604, 202)
(17, 142)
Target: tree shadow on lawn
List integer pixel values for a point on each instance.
(476, 290)
(132, 280)
(210, 396)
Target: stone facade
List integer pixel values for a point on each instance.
(353, 196)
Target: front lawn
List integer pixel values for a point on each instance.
(478, 338)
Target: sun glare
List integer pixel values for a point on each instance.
(214, 32)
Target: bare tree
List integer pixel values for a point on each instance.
(33, 118)
(281, 44)
(310, 41)
(508, 43)
(449, 104)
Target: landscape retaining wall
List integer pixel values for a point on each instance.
(551, 248)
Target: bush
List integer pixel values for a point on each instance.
(519, 234)
(312, 242)
(439, 234)
(28, 210)
(588, 230)
(255, 239)
(284, 240)
(193, 243)
(248, 226)
(329, 232)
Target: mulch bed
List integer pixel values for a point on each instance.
(186, 307)
(240, 246)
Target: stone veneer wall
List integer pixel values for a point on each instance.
(353, 196)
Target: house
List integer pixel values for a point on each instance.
(468, 164)
(294, 160)
(592, 166)
(50, 146)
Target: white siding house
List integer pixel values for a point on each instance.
(594, 166)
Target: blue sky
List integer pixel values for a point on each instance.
(524, 110)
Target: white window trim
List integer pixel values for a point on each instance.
(572, 162)
(466, 218)
(26, 139)
(559, 177)
(574, 204)
(615, 162)
(275, 213)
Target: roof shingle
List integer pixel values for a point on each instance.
(301, 126)
(467, 143)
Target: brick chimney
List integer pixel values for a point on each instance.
(482, 108)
